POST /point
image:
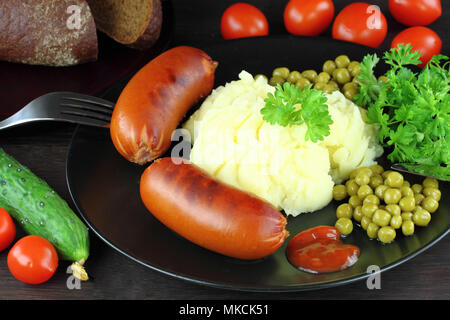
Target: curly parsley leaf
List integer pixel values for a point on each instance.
(290, 105)
(401, 56)
(412, 110)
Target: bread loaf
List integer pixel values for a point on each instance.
(47, 32)
(135, 23)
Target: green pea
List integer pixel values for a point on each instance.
(339, 192)
(282, 72)
(329, 88)
(355, 201)
(368, 209)
(323, 77)
(396, 222)
(417, 188)
(353, 173)
(294, 76)
(342, 61)
(406, 191)
(421, 218)
(362, 179)
(311, 75)
(333, 84)
(371, 198)
(392, 196)
(386, 234)
(383, 79)
(319, 86)
(329, 66)
(432, 192)
(256, 77)
(350, 93)
(408, 228)
(380, 190)
(375, 181)
(430, 183)
(394, 179)
(344, 211)
(407, 203)
(344, 225)
(352, 187)
(407, 216)
(385, 173)
(365, 170)
(364, 191)
(348, 86)
(394, 209)
(302, 83)
(430, 204)
(276, 80)
(365, 221)
(377, 169)
(354, 68)
(418, 197)
(372, 230)
(341, 75)
(357, 214)
(381, 218)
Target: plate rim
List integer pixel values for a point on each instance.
(228, 286)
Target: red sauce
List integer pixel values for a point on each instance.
(319, 250)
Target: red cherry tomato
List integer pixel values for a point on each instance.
(32, 260)
(422, 39)
(308, 17)
(7, 229)
(415, 12)
(360, 23)
(242, 20)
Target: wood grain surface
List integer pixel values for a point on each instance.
(43, 147)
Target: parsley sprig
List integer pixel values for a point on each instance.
(289, 105)
(411, 109)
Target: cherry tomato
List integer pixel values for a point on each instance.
(308, 17)
(32, 260)
(422, 39)
(7, 229)
(415, 12)
(242, 20)
(361, 23)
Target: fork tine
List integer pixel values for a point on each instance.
(86, 113)
(91, 100)
(85, 106)
(85, 109)
(82, 119)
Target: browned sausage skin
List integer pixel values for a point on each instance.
(210, 213)
(156, 99)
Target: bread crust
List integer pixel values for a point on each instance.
(145, 37)
(151, 33)
(37, 32)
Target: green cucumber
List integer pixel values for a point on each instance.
(41, 211)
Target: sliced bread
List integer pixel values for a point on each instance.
(135, 23)
(47, 32)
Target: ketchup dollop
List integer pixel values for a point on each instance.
(320, 250)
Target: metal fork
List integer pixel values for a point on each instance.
(63, 106)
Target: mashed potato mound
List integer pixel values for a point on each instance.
(232, 142)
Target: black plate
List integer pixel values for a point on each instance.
(115, 61)
(104, 187)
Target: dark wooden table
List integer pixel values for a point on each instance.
(43, 148)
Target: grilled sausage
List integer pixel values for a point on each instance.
(156, 99)
(210, 213)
